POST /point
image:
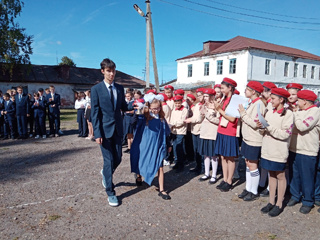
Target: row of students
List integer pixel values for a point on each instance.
(18, 110)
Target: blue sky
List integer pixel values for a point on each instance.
(89, 31)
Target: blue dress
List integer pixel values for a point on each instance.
(149, 147)
(127, 120)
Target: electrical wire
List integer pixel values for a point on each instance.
(240, 20)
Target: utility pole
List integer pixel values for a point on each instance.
(149, 34)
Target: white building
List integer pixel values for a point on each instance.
(244, 59)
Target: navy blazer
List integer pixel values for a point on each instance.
(39, 111)
(22, 106)
(11, 110)
(105, 119)
(56, 102)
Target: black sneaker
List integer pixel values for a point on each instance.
(220, 184)
(251, 197)
(275, 211)
(243, 194)
(226, 187)
(267, 208)
(305, 209)
(292, 202)
(264, 193)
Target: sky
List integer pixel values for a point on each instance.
(87, 31)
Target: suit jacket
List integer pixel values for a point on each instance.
(39, 111)
(56, 102)
(11, 110)
(105, 119)
(22, 106)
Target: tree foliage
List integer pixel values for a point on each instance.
(15, 44)
(67, 61)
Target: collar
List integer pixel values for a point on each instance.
(269, 100)
(170, 99)
(293, 104)
(279, 111)
(191, 106)
(164, 103)
(179, 109)
(309, 107)
(255, 100)
(200, 103)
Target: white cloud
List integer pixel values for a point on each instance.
(59, 42)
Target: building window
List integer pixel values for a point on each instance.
(267, 68)
(295, 71)
(232, 68)
(190, 70)
(206, 69)
(304, 73)
(312, 72)
(286, 69)
(219, 67)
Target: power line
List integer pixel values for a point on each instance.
(253, 10)
(240, 20)
(250, 15)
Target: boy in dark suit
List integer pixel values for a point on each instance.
(42, 98)
(53, 101)
(39, 109)
(22, 112)
(8, 111)
(107, 101)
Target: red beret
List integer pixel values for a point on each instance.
(192, 97)
(307, 95)
(141, 100)
(168, 87)
(209, 91)
(294, 85)
(230, 81)
(200, 90)
(280, 92)
(255, 86)
(217, 86)
(177, 98)
(236, 92)
(269, 85)
(152, 91)
(165, 97)
(179, 91)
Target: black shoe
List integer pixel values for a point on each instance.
(305, 209)
(127, 151)
(78, 135)
(292, 202)
(204, 178)
(275, 211)
(5, 138)
(139, 181)
(243, 194)
(267, 208)
(317, 203)
(220, 184)
(213, 180)
(164, 196)
(226, 187)
(264, 193)
(250, 197)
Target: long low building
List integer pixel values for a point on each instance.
(67, 80)
(244, 59)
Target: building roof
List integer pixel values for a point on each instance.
(241, 43)
(67, 75)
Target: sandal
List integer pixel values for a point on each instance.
(164, 196)
(139, 181)
(204, 178)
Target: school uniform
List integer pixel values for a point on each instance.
(43, 123)
(304, 149)
(9, 118)
(276, 140)
(30, 119)
(227, 144)
(195, 124)
(127, 120)
(39, 108)
(188, 138)
(54, 112)
(1, 117)
(317, 182)
(179, 130)
(88, 109)
(22, 109)
(82, 122)
(170, 103)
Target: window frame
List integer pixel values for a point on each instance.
(206, 69)
(189, 70)
(295, 69)
(267, 67)
(286, 69)
(304, 71)
(233, 66)
(219, 67)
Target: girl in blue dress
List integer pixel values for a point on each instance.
(149, 147)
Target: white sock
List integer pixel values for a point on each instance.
(255, 177)
(236, 172)
(207, 166)
(248, 180)
(263, 177)
(214, 164)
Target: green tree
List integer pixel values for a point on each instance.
(15, 44)
(67, 61)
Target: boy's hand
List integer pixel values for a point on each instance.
(99, 141)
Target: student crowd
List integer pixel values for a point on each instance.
(284, 148)
(24, 115)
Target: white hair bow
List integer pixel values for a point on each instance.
(149, 97)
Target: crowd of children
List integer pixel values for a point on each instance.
(24, 115)
(277, 134)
